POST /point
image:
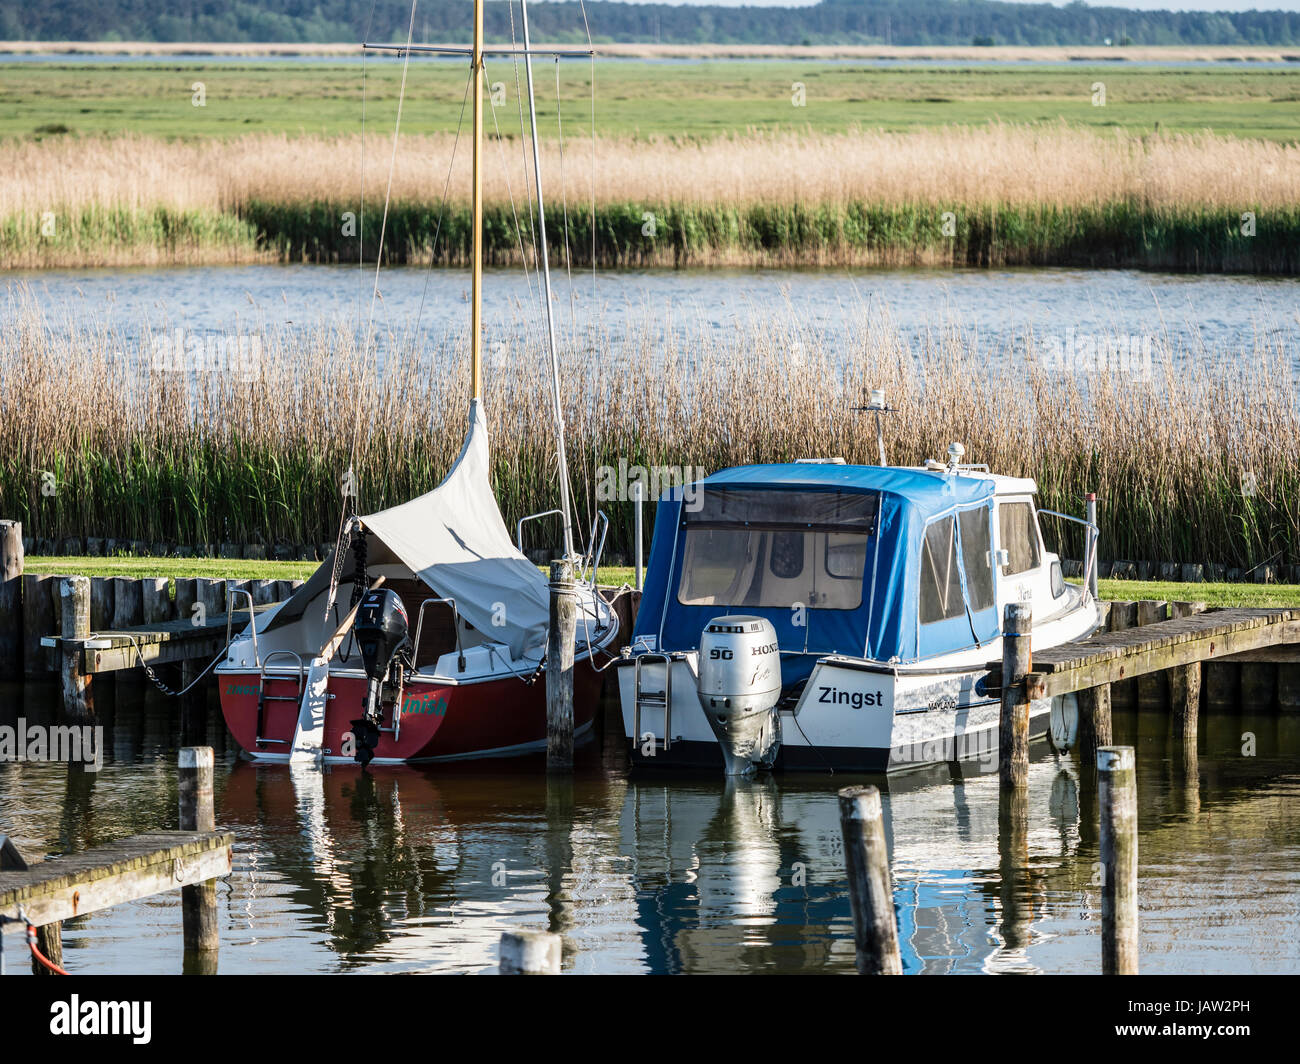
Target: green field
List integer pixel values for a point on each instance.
(676, 99)
(238, 569)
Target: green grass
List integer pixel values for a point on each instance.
(679, 99)
(239, 569)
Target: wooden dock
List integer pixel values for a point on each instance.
(1115, 656)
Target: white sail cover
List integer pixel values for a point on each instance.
(453, 539)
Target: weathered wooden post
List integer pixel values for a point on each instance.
(11, 600)
(1123, 616)
(74, 593)
(1013, 722)
(559, 668)
(199, 901)
(530, 953)
(1153, 687)
(40, 620)
(155, 601)
(871, 893)
(49, 940)
(101, 603)
(1185, 702)
(1094, 723)
(1117, 806)
(128, 602)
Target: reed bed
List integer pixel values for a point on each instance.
(1018, 195)
(1192, 465)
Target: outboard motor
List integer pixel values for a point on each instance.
(739, 687)
(382, 632)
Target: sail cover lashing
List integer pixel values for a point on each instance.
(454, 539)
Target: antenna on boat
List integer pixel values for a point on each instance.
(877, 406)
(566, 511)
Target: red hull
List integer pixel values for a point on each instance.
(494, 718)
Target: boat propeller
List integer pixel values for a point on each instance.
(383, 635)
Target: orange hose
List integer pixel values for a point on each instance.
(31, 944)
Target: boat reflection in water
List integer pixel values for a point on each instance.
(405, 869)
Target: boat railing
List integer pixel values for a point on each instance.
(595, 548)
(1089, 549)
(231, 592)
(455, 625)
(519, 528)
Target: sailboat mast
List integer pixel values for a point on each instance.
(476, 214)
(565, 507)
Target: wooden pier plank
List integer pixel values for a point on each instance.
(159, 644)
(1121, 655)
(130, 868)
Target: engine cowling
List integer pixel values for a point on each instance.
(739, 686)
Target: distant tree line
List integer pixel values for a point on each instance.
(903, 22)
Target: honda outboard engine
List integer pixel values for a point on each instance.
(739, 687)
(382, 632)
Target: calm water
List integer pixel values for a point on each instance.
(406, 870)
(1209, 316)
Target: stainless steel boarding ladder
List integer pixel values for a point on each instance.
(661, 699)
(263, 698)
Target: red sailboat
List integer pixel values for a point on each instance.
(440, 652)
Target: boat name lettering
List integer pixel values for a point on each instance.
(435, 705)
(856, 699)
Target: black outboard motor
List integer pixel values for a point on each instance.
(382, 632)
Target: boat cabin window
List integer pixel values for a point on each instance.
(774, 548)
(940, 583)
(977, 557)
(1018, 536)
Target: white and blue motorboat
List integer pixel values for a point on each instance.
(817, 614)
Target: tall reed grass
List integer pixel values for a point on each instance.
(1019, 195)
(1192, 465)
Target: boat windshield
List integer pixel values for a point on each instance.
(773, 548)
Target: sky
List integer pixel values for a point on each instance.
(1146, 5)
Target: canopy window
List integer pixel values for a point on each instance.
(941, 597)
(977, 557)
(777, 549)
(1018, 536)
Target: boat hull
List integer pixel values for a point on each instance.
(496, 717)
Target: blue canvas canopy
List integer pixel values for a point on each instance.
(840, 559)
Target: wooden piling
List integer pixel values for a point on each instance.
(1153, 687)
(74, 592)
(1013, 723)
(1094, 723)
(871, 894)
(530, 953)
(559, 668)
(187, 594)
(128, 602)
(1185, 702)
(1288, 687)
(1222, 681)
(156, 603)
(40, 619)
(1123, 615)
(49, 940)
(101, 603)
(11, 600)
(1117, 806)
(198, 901)
(1258, 686)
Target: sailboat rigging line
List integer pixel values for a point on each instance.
(563, 463)
(383, 229)
(523, 144)
(510, 192)
(442, 207)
